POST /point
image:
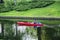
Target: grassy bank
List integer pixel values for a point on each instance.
(50, 11)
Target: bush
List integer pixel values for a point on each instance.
(22, 6)
(10, 5)
(39, 4)
(33, 4)
(5, 7)
(1, 7)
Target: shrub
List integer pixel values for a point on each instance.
(22, 6)
(10, 5)
(1, 7)
(32, 4)
(5, 7)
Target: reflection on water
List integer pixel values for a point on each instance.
(26, 36)
(22, 29)
(0, 28)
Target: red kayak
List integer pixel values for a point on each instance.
(28, 24)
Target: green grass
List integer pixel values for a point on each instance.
(50, 11)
